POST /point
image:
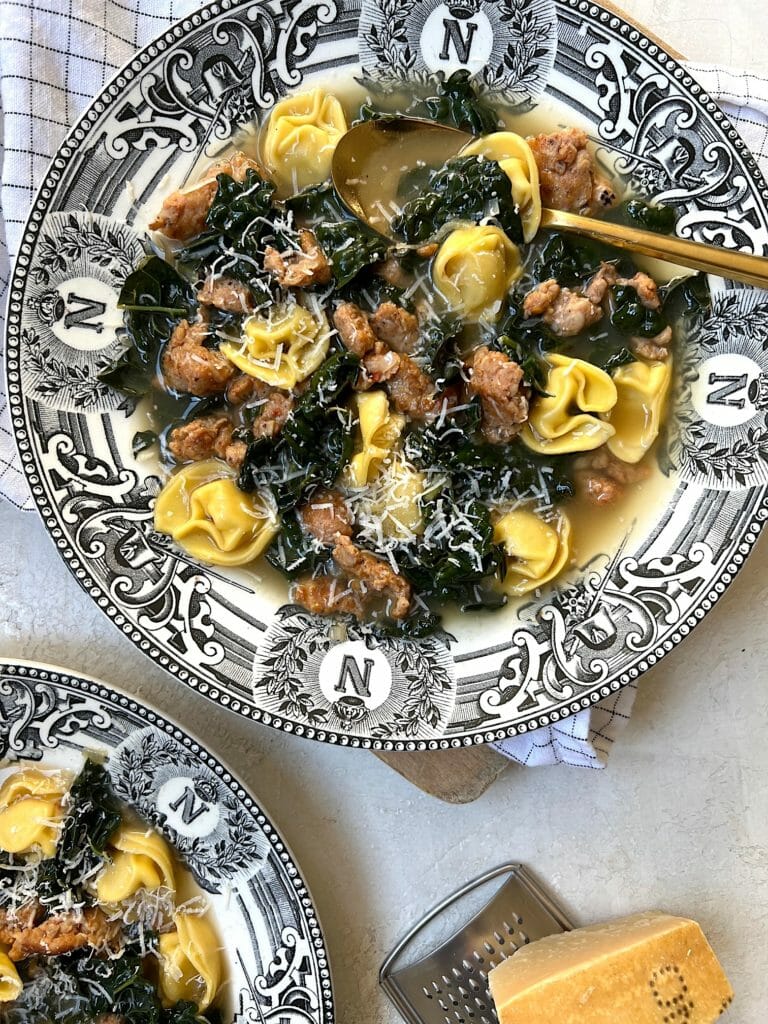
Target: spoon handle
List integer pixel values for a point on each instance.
(737, 266)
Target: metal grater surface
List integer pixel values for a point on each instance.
(449, 985)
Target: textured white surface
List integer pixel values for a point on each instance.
(677, 822)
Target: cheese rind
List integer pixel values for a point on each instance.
(645, 969)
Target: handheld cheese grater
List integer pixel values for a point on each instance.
(448, 984)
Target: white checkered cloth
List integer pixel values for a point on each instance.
(57, 54)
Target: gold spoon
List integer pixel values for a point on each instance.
(371, 157)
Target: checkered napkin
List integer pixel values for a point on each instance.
(57, 54)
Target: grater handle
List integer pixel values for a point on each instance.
(389, 964)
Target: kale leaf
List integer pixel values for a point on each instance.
(82, 987)
(415, 626)
(293, 552)
(314, 445)
(350, 246)
(655, 218)
(479, 469)
(630, 316)
(142, 440)
(534, 368)
(458, 103)
(241, 219)
(611, 362)
(93, 815)
(466, 188)
(460, 564)
(155, 297)
(238, 206)
(369, 290)
(687, 298)
(437, 351)
(316, 203)
(567, 261)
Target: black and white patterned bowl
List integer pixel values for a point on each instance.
(236, 641)
(277, 964)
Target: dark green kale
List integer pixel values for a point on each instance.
(82, 988)
(350, 246)
(154, 298)
(142, 440)
(92, 817)
(241, 220)
(567, 261)
(687, 298)
(293, 552)
(314, 445)
(462, 561)
(475, 467)
(528, 335)
(413, 182)
(415, 626)
(466, 188)
(369, 290)
(655, 218)
(317, 203)
(630, 316)
(238, 206)
(534, 368)
(437, 350)
(459, 103)
(610, 362)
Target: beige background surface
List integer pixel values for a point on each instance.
(678, 821)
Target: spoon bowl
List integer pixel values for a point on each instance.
(371, 159)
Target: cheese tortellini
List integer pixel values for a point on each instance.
(208, 515)
(283, 347)
(394, 501)
(516, 159)
(138, 859)
(190, 961)
(536, 551)
(474, 269)
(380, 430)
(300, 136)
(10, 982)
(562, 421)
(636, 418)
(32, 811)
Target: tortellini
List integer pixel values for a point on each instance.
(190, 961)
(516, 159)
(283, 347)
(31, 811)
(138, 859)
(300, 137)
(33, 782)
(380, 430)
(642, 398)
(474, 269)
(394, 503)
(208, 515)
(10, 982)
(561, 421)
(536, 551)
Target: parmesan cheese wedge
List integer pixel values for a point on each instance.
(646, 969)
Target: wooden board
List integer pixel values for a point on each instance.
(461, 776)
(455, 776)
